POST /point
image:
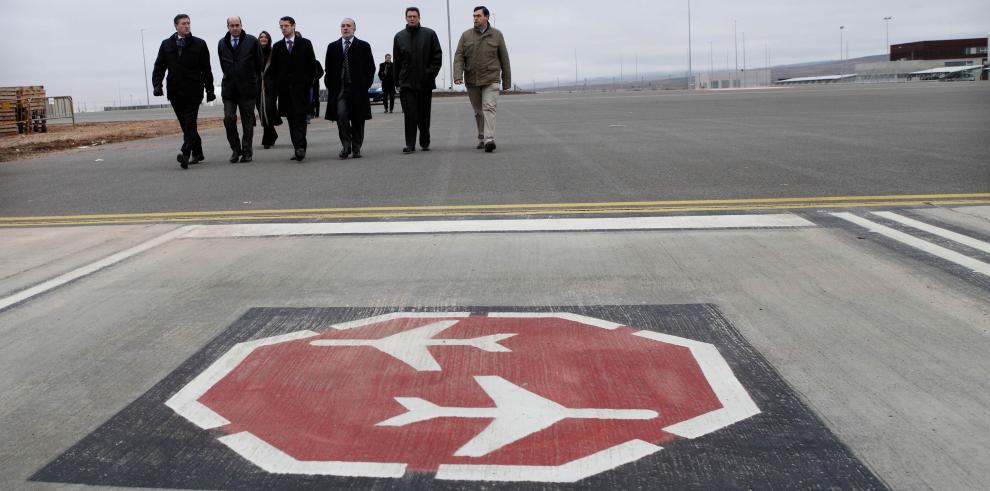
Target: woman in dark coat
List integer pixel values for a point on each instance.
(267, 108)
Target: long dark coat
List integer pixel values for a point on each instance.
(189, 75)
(293, 75)
(241, 67)
(362, 64)
(268, 99)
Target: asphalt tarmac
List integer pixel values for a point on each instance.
(848, 310)
(560, 148)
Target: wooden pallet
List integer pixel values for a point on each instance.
(22, 109)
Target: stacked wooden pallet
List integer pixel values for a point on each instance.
(32, 106)
(23, 110)
(8, 111)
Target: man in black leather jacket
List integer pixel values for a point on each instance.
(418, 58)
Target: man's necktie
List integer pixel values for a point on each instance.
(181, 42)
(235, 42)
(288, 44)
(347, 62)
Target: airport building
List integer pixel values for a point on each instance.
(742, 79)
(929, 60)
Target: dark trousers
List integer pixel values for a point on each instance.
(297, 125)
(242, 146)
(297, 130)
(388, 100)
(416, 107)
(349, 127)
(269, 136)
(187, 112)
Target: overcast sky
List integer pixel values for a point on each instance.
(92, 49)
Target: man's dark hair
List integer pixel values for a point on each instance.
(288, 19)
(484, 10)
(413, 9)
(179, 18)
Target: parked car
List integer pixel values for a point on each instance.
(375, 94)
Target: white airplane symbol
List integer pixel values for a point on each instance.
(517, 414)
(412, 347)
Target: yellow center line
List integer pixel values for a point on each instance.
(385, 212)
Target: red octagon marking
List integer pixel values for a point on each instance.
(512, 397)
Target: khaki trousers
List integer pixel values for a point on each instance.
(484, 100)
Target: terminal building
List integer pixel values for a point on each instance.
(929, 60)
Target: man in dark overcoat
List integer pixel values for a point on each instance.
(186, 58)
(242, 64)
(386, 73)
(350, 71)
(294, 69)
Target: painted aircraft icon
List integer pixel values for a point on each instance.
(412, 347)
(517, 414)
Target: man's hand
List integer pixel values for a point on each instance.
(210, 97)
(458, 82)
(159, 92)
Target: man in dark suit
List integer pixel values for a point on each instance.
(241, 62)
(418, 59)
(350, 73)
(186, 58)
(294, 69)
(386, 73)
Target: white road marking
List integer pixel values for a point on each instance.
(574, 471)
(737, 405)
(591, 321)
(935, 250)
(92, 267)
(941, 232)
(412, 347)
(275, 461)
(517, 414)
(186, 402)
(539, 225)
(699, 222)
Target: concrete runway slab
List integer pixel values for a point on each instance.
(886, 346)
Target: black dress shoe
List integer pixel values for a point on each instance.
(408, 150)
(490, 146)
(300, 154)
(426, 148)
(235, 157)
(344, 154)
(268, 147)
(357, 154)
(183, 160)
(199, 158)
(195, 159)
(246, 158)
(481, 145)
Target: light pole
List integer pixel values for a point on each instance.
(886, 21)
(735, 39)
(576, 80)
(690, 79)
(841, 44)
(450, 52)
(144, 60)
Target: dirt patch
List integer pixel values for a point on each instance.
(85, 135)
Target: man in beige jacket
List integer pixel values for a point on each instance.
(482, 63)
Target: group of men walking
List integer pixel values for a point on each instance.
(278, 80)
